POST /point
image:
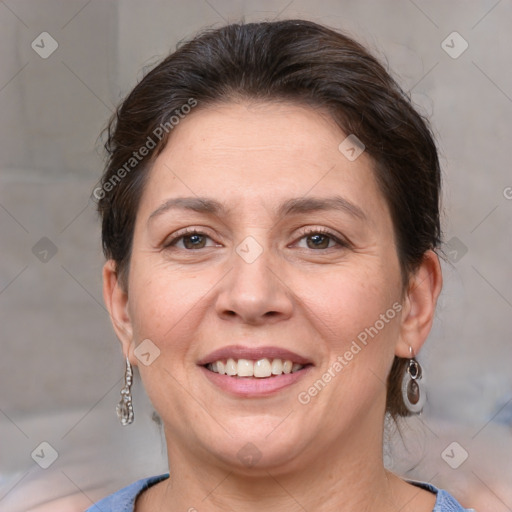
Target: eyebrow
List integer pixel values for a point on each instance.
(289, 207)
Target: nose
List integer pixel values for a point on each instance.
(255, 292)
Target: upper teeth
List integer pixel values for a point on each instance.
(247, 368)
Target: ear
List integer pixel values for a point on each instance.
(116, 300)
(419, 305)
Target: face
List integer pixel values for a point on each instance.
(258, 246)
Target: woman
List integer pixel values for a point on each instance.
(270, 218)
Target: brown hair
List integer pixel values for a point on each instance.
(291, 60)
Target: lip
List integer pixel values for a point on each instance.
(253, 353)
(253, 387)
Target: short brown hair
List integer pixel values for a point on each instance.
(291, 60)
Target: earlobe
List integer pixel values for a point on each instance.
(116, 301)
(420, 304)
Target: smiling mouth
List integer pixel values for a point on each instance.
(260, 369)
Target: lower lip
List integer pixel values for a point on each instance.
(252, 386)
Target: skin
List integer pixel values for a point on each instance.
(327, 454)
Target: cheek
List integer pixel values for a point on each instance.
(167, 306)
(155, 303)
(351, 300)
(360, 318)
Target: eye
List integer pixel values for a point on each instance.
(321, 239)
(191, 238)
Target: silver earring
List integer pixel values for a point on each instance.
(413, 391)
(124, 408)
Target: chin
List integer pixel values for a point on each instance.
(258, 444)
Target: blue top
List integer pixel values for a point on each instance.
(124, 500)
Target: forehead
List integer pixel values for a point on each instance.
(277, 130)
(257, 154)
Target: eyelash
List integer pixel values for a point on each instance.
(304, 234)
(326, 233)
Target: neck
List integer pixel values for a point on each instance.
(348, 477)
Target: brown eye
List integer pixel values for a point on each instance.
(194, 241)
(189, 240)
(318, 239)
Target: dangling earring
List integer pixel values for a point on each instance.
(413, 393)
(124, 408)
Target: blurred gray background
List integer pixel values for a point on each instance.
(61, 365)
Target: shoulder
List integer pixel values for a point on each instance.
(124, 499)
(445, 502)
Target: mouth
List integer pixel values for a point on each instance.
(258, 371)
